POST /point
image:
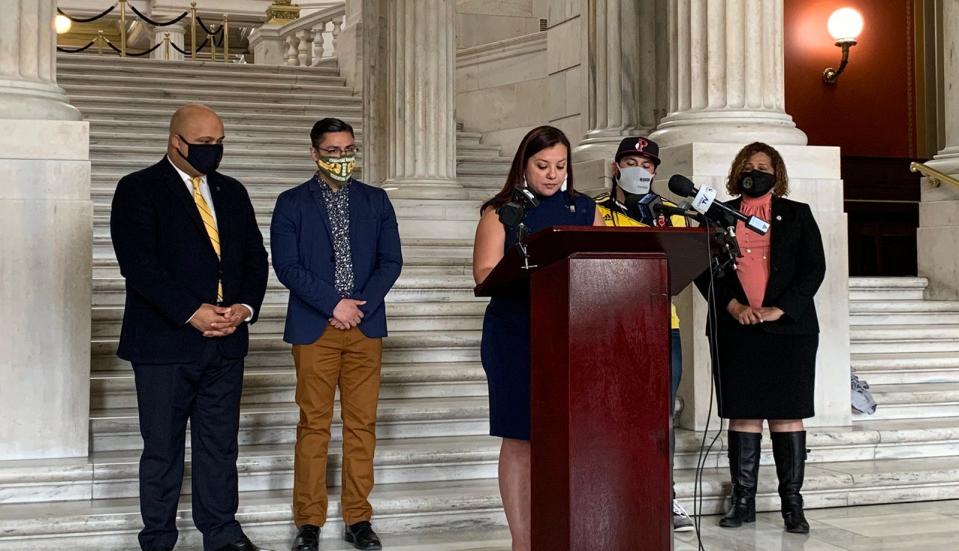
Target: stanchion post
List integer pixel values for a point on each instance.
(212, 39)
(100, 39)
(166, 46)
(226, 38)
(123, 28)
(193, 30)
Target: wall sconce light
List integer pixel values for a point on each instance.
(62, 24)
(844, 25)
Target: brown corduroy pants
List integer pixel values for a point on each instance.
(351, 360)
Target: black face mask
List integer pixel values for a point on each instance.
(756, 183)
(203, 157)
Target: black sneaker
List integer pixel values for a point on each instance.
(362, 536)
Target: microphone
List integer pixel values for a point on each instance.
(705, 203)
(512, 213)
(643, 207)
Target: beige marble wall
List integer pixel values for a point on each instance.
(499, 89)
(814, 179)
(564, 64)
(481, 22)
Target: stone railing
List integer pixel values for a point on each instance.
(305, 42)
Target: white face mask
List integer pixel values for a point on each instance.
(635, 179)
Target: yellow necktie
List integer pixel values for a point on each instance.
(210, 223)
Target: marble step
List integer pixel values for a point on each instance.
(265, 516)
(158, 115)
(321, 104)
(109, 474)
(906, 368)
(264, 386)
(460, 505)
(887, 288)
(402, 316)
(903, 312)
(408, 288)
(914, 401)
(270, 350)
(904, 338)
(98, 69)
(275, 423)
(418, 246)
(123, 88)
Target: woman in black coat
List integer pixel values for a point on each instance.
(766, 334)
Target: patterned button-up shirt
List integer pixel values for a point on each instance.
(338, 214)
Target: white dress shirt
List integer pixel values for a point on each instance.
(205, 192)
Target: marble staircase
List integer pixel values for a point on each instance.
(435, 464)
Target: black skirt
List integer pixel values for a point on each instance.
(761, 375)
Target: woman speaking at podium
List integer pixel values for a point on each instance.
(766, 334)
(543, 166)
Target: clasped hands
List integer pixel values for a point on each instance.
(747, 315)
(219, 321)
(347, 314)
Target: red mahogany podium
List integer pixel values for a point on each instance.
(601, 415)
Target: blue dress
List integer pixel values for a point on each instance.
(505, 346)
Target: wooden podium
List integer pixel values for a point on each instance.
(601, 411)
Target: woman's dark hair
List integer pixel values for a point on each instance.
(538, 139)
(325, 126)
(781, 189)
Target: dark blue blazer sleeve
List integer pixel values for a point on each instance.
(134, 234)
(285, 248)
(389, 258)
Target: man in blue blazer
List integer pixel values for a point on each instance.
(336, 246)
(188, 245)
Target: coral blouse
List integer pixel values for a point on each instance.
(753, 267)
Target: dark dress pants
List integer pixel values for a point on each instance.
(207, 393)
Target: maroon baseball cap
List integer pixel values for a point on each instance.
(639, 146)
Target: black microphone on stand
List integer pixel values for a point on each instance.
(704, 202)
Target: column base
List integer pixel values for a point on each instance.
(426, 188)
(938, 230)
(31, 100)
(740, 127)
(45, 298)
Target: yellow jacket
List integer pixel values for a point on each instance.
(614, 214)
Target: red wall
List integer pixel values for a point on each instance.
(870, 111)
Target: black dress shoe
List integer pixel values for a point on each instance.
(161, 549)
(307, 538)
(242, 545)
(362, 536)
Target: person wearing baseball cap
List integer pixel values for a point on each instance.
(633, 169)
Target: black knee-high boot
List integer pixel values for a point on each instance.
(744, 471)
(789, 450)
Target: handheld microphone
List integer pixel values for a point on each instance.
(705, 203)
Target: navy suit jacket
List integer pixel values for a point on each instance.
(302, 251)
(171, 268)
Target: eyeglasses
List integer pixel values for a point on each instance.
(337, 152)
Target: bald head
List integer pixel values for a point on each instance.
(192, 124)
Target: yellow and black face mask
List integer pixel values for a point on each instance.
(338, 169)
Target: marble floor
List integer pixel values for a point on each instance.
(927, 526)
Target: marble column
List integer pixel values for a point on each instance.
(421, 51)
(939, 210)
(177, 32)
(46, 220)
(726, 75)
(622, 82)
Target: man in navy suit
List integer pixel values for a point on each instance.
(336, 246)
(192, 255)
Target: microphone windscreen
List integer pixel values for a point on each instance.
(681, 185)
